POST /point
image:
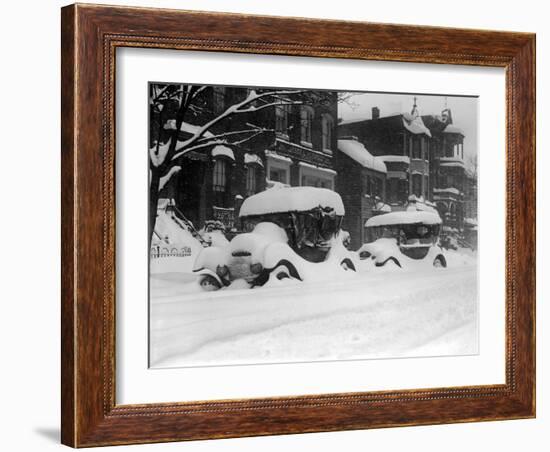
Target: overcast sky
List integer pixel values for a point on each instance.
(464, 111)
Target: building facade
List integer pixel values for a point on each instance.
(295, 147)
(402, 142)
(362, 185)
(424, 161)
(448, 170)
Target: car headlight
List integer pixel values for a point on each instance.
(222, 270)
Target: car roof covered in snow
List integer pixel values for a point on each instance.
(291, 199)
(403, 217)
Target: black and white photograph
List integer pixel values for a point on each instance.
(296, 225)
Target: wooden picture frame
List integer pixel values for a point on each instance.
(90, 36)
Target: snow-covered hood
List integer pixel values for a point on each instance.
(382, 248)
(253, 242)
(249, 245)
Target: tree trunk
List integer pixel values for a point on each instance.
(153, 203)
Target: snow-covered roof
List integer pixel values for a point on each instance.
(252, 158)
(403, 217)
(414, 124)
(382, 207)
(356, 151)
(453, 129)
(221, 150)
(291, 199)
(395, 158)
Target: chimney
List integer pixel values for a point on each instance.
(375, 112)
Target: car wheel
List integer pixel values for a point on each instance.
(439, 262)
(208, 283)
(347, 264)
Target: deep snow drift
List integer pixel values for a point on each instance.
(380, 313)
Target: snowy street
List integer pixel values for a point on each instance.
(379, 313)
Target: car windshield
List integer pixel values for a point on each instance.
(407, 234)
(313, 228)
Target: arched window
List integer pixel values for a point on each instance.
(306, 122)
(250, 180)
(219, 182)
(327, 126)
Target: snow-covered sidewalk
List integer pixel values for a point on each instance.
(380, 314)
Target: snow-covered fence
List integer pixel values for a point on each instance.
(170, 251)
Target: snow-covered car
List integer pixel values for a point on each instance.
(405, 239)
(291, 233)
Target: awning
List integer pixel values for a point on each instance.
(253, 158)
(220, 150)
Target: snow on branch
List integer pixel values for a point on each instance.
(166, 178)
(240, 108)
(158, 153)
(220, 139)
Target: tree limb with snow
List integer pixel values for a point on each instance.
(166, 155)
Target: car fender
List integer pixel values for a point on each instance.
(213, 274)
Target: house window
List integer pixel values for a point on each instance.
(281, 119)
(426, 187)
(327, 128)
(219, 182)
(316, 181)
(306, 121)
(250, 180)
(417, 148)
(393, 190)
(278, 175)
(417, 184)
(368, 185)
(376, 189)
(219, 99)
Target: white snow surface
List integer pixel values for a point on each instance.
(291, 199)
(404, 217)
(386, 313)
(453, 129)
(166, 178)
(174, 239)
(358, 152)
